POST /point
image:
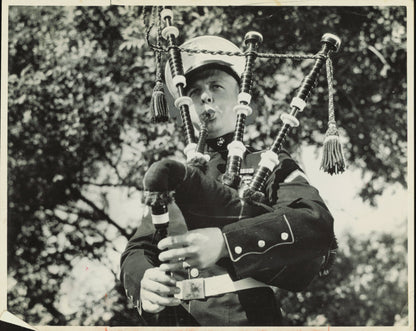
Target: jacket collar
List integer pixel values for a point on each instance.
(220, 143)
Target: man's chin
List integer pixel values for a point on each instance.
(212, 134)
(216, 128)
(213, 130)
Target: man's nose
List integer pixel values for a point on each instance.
(206, 98)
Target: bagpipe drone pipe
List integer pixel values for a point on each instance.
(222, 203)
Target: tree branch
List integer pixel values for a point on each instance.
(101, 213)
(106, 184)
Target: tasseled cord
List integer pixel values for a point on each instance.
(158, 106)
(333, 161)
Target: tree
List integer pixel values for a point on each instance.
(362, 289)
(80, 82)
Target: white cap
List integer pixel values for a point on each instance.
(192, 61)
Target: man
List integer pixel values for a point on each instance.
(284, 247)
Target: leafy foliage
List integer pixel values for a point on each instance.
(80, 81)
(365, 275)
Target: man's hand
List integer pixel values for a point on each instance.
(200, 248)
(156, 291)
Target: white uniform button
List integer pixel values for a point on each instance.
(284, 236)
(194, 272)
(261, 243)
(238, 249)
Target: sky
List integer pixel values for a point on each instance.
(350, 212)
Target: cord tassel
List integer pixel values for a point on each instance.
(333, 161)
(333, 158)
(158, 107)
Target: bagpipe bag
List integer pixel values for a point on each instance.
(205, 202)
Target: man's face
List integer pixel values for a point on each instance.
(216, 94)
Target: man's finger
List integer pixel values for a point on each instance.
(177, 253)
(172, 242)
(172, 267)
(159, 288)
(160, 300)
(178, 266)
(158, 275)
(151, 307)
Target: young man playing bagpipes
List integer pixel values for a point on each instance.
(219, 255)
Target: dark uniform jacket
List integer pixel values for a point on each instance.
(285, 247)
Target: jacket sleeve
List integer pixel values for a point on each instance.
(296, 232)
(135, 258)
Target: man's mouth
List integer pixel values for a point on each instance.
(208, 115)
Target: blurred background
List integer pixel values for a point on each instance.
(80, 139)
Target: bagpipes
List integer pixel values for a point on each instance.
(187, 184)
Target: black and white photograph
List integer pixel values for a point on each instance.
(207, 165)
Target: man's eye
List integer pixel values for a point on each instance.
(216, 86)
